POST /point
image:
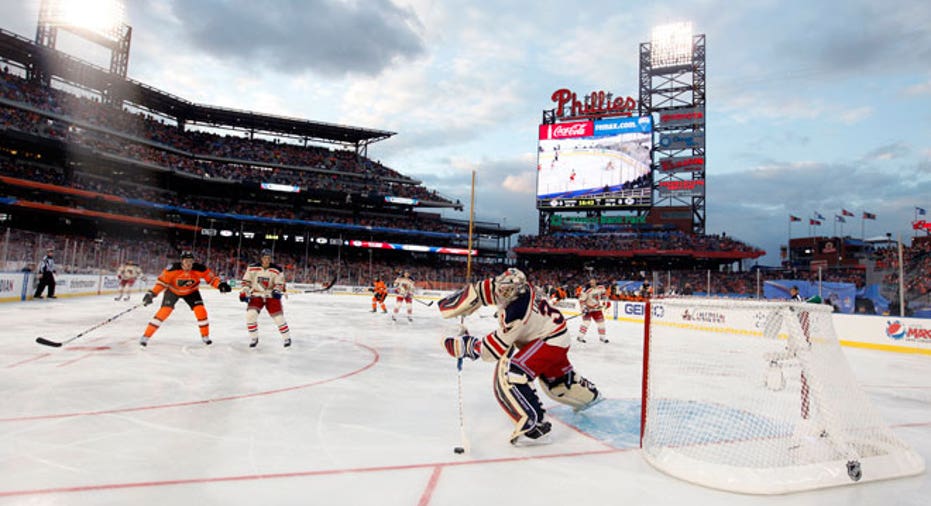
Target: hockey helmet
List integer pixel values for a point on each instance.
(265, 253)
(187, 254)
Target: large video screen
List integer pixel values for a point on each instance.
(602, 164)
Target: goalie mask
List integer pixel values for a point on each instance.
(504, 288)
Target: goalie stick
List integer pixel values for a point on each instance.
(57, 344)
(323, 288)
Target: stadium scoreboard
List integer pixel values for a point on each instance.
(595, 164)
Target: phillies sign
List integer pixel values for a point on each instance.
(598, 103)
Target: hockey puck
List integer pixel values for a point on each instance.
(459, 449)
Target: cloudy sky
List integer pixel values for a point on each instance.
(812, 106)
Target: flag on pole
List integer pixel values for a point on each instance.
(845, 212)
(814, 222)
(794, 218)
(839, 218)
(921, 211)
(819, 216)
(868, 216)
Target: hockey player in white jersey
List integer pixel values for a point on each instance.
(127, 274)
(404, 288)
(592, 302)
(263, 285)
(530, 343)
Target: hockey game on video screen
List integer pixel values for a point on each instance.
(604, 163)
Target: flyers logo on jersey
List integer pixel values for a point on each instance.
(186, 283)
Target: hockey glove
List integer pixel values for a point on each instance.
(224, 287)
(276, 294)
(463, 347)
(147, 298)
(243, 297)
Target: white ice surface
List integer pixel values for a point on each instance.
(359, 411)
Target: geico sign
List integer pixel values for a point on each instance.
(633, 309)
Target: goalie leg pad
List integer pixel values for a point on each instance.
(517, 396)
(571, 389)
(461, 303)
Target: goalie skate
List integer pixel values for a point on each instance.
(538, 436)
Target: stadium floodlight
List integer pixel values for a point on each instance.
(671, 45)
(101, 17)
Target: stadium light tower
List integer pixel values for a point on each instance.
(98, 21)
(672, 90)
(98, 18)
(671, 45)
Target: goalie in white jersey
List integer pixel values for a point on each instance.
(592, 301)
(263, 285)
(404, 288)
(127, 275)
(530, 343)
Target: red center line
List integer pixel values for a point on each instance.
(375, 359)
(304, 474)
(69, 362)
(36, 357)
(431, 486)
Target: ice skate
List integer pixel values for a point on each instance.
(254, 342)
(581, 338)
(143, 341)
(206, 340)
(287, 342)
(126, 298)
(604, 339)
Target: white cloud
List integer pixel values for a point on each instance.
(856, 115)
(525, 183)
(918, 89)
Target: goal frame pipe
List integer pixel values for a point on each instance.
(647, 312)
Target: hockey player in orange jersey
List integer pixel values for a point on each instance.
(181, 280)
(380, 293)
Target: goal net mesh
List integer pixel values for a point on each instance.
(757, 397)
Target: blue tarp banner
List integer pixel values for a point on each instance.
(841, 295)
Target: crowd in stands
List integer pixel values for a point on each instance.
(669, 241)
(21, 250)
(87, 122)
(412, 221)
(916, 261)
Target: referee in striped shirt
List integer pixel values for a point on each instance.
(47, 273)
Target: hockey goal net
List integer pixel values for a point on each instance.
(757, 397)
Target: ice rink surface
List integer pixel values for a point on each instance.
(359, 411)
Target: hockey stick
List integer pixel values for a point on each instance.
(428, 304)
(57, 344)
(324, 287)
(463, 440)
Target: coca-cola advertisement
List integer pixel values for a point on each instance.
(602, 164)
(567, 130)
